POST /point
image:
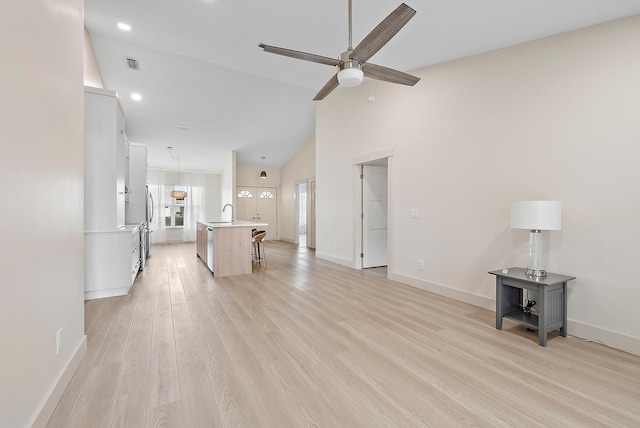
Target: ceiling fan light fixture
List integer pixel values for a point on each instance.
(350, 74)
(349, 66)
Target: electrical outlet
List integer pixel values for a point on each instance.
(335, 247)
(58, 341)
(415, 213)
(421, 264)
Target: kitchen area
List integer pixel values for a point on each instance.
(124, 204)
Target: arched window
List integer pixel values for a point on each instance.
(245, 194)
(266, 195)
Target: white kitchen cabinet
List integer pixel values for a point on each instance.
(112, 261)
(201, 241)
(106, 164)
(112, 249)
(136, 207)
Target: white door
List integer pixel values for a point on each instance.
(374, 220)
(267, 210)
(258, 204)
(245, 208)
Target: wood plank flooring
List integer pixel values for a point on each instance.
(307, 343)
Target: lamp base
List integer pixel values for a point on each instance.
(536, 272)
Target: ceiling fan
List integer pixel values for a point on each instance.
(352, 65)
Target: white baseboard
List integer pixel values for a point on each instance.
(337, 260)
(609, 338)
(46, 409)
(460, 295)
(584, 331)
(108, 292)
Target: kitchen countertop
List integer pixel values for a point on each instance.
(237, 223)
(127, 228)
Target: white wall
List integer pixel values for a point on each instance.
(228, 185)
(551, 119)
(250, 176)
(41, 226)
(213, 209)
(301, 167)
(92, 76)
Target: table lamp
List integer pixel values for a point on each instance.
(536, 216)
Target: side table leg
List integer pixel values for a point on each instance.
(542, 316)
(563, 329)
(499, 302)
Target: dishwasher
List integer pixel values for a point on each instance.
(210, 248)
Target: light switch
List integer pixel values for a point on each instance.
(415, 213)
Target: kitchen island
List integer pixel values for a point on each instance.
(225, 247)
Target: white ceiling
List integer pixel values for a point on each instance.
(201, 65)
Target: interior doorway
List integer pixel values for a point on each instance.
(311, 215)
(374, 193)
(301, 201)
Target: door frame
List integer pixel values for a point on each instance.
(357, 205)
(366, 233)
(296, 220)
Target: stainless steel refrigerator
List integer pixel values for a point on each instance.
(146, 231)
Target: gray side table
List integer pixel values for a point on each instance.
(551, 304)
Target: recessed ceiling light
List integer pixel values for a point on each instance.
(124, 27)
(136, 96)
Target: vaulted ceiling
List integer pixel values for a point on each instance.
(201, 68)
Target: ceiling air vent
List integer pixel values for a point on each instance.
(132, 63)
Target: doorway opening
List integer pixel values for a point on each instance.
(374, 202)
(301, 200)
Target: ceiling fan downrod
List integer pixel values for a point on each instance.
(350, 29)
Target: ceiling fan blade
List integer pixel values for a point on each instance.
(326, 89)
(379, 36)
(389, 74)
(300, 55)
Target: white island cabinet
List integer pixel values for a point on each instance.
(225, 247)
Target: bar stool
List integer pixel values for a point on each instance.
(258, 247)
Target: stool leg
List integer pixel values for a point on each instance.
(261, 259)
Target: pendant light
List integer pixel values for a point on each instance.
(263, 174)
(177, 194)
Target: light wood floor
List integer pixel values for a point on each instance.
(309, 343)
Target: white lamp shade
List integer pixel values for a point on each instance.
(350, 77)
(536, 215)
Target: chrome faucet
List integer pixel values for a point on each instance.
(225, 207)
